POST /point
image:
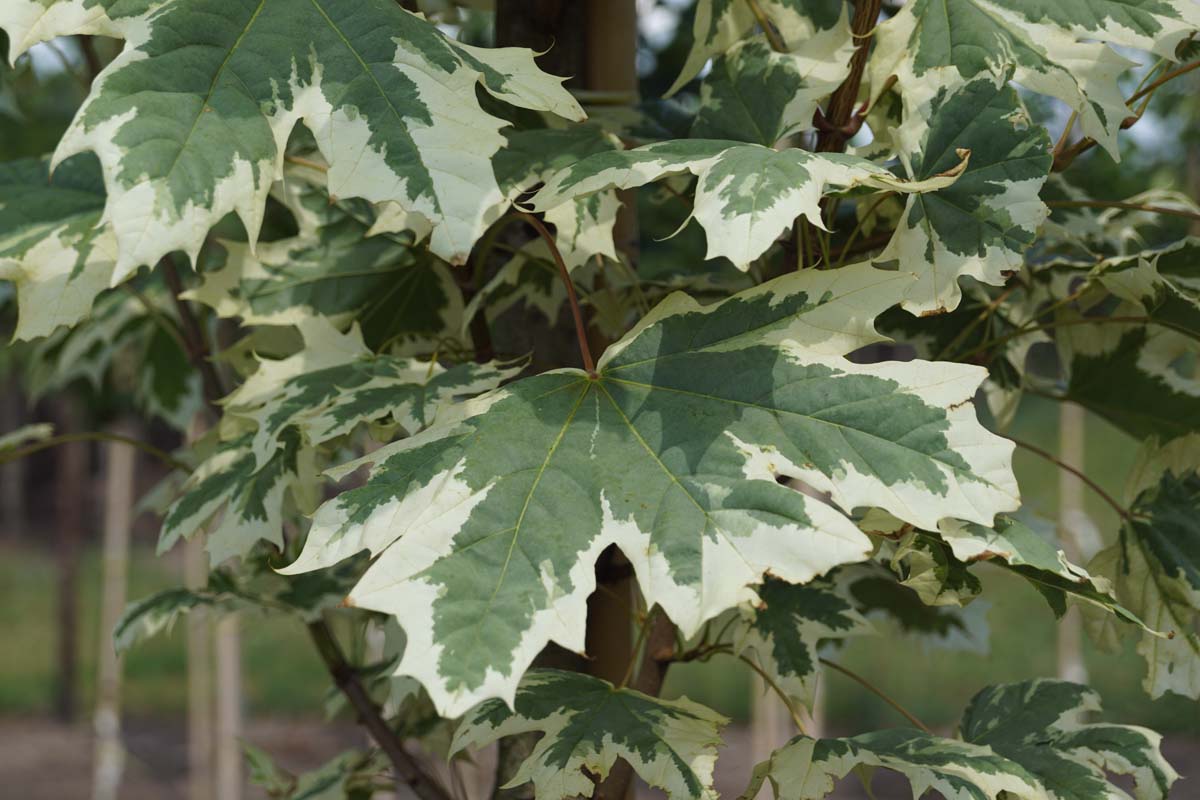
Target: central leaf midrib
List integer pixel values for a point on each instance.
(516, 529)
(774, 410)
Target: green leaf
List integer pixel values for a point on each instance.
(1039, 724)
(248, 499)
(807, 769)
(587, 724)
(1060, 49)
(720, 24)
(756, 95)
(747, 194)
(53, 246)
(671, 452)
(783, 631)
(1155, 566)
(926, 566)
(334, 384)
(190, 121)
(982, 223)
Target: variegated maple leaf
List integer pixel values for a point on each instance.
(243, 502)
(1041, 725)
(190, 121)
(487, 525)
(1023, 740)
(754, 94)
(333, 267)
(981, 224)
(1155, 565)
(1155, 297)
(746, 195)
(335, 383)
(587, 724)
(808, 769)
(1061, 49)
(53, 245)
(720, 24)
(784, 629)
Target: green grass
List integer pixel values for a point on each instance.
(283, 675)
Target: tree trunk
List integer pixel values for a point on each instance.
(12, 474)
(70, 495)
(200, 678)
(109, 759)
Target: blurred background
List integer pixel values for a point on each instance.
(53, 508)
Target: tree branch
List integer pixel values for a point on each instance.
(193, 337)
(94, 436)
(346, 679)
(840, 122)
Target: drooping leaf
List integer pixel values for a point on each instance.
(926, 566)
(807, 769)
(53, 246)
(754, 94)
(720, 24)
(981, 224)
(190, 121)
(1058, 49)
(1155, 566)
(332, 267)
(1147, 348)
(671, 452)
(783, 631)
(587, 724)
(158, 613)
(529, 278)
(123, 347)
(1022, 550)
(746, 196)
(1040, 725)
(246, 501)
(334, 384)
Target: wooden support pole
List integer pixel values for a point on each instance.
(109, 755)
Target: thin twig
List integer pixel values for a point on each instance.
(787, 701)
(1175, 212)
(1067, 156)
(875, 690)
(347, 680)
(94, 436)
(580, 328)
(1091, 484)
(858, 229)
(764, 22)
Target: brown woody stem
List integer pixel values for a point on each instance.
(347, 681)
(835, 129)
